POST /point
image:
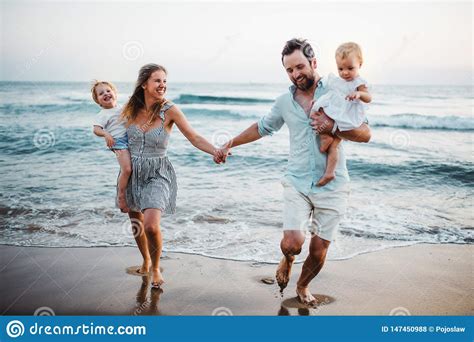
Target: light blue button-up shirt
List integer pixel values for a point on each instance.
(306, 164)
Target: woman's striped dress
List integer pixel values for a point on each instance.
(153, 180)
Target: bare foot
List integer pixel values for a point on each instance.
(122, 203)
(305, 297)
(326, 178)
(325, 141)
(283, 272)
(157, 279)
(145, 267)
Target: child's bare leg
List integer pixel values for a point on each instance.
(333, 156)
(325, 140)
(123, 158)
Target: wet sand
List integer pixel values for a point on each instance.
(416, 280)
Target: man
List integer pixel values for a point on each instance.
(304, 202)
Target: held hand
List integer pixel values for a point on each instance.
(226, 150)
(109, 140)
(217, 156)
(353, 96)
(220, 154)
(321, 123)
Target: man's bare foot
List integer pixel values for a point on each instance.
(325, 140)
(122, 203)
(326, 178)
(157, 279)
(145, 267)
(305, 297)
(283, 271)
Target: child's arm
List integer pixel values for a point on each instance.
(100, 132)
(362, 93)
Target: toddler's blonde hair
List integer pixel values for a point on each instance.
(95, 84)
(349, 48)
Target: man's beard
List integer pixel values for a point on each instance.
(307, 84)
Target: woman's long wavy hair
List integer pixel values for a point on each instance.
(137, 100)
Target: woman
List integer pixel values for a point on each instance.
(152, 188)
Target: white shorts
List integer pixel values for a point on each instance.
(318, 213)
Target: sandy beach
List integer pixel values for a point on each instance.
(417, 280)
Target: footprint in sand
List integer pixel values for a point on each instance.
(133, 270)
(268, 280)
(294, 303)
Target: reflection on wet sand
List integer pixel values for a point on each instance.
(303, 309)
(147, 305)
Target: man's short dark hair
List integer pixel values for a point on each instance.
(298, 44)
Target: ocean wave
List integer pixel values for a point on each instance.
(417, 171)
(414, 234)
(407, 121)
(417, 121)
(220, 113)
(189, 98)
(21, 140)
(70, 106)
(70, 227)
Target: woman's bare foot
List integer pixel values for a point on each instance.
(157, 279)
(305, 297)
(326, 178)
(325, 140)
(122, 203)
(283, 271)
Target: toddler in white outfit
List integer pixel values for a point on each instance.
(109, 125)
(345, 103)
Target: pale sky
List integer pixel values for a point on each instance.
(233, 41)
